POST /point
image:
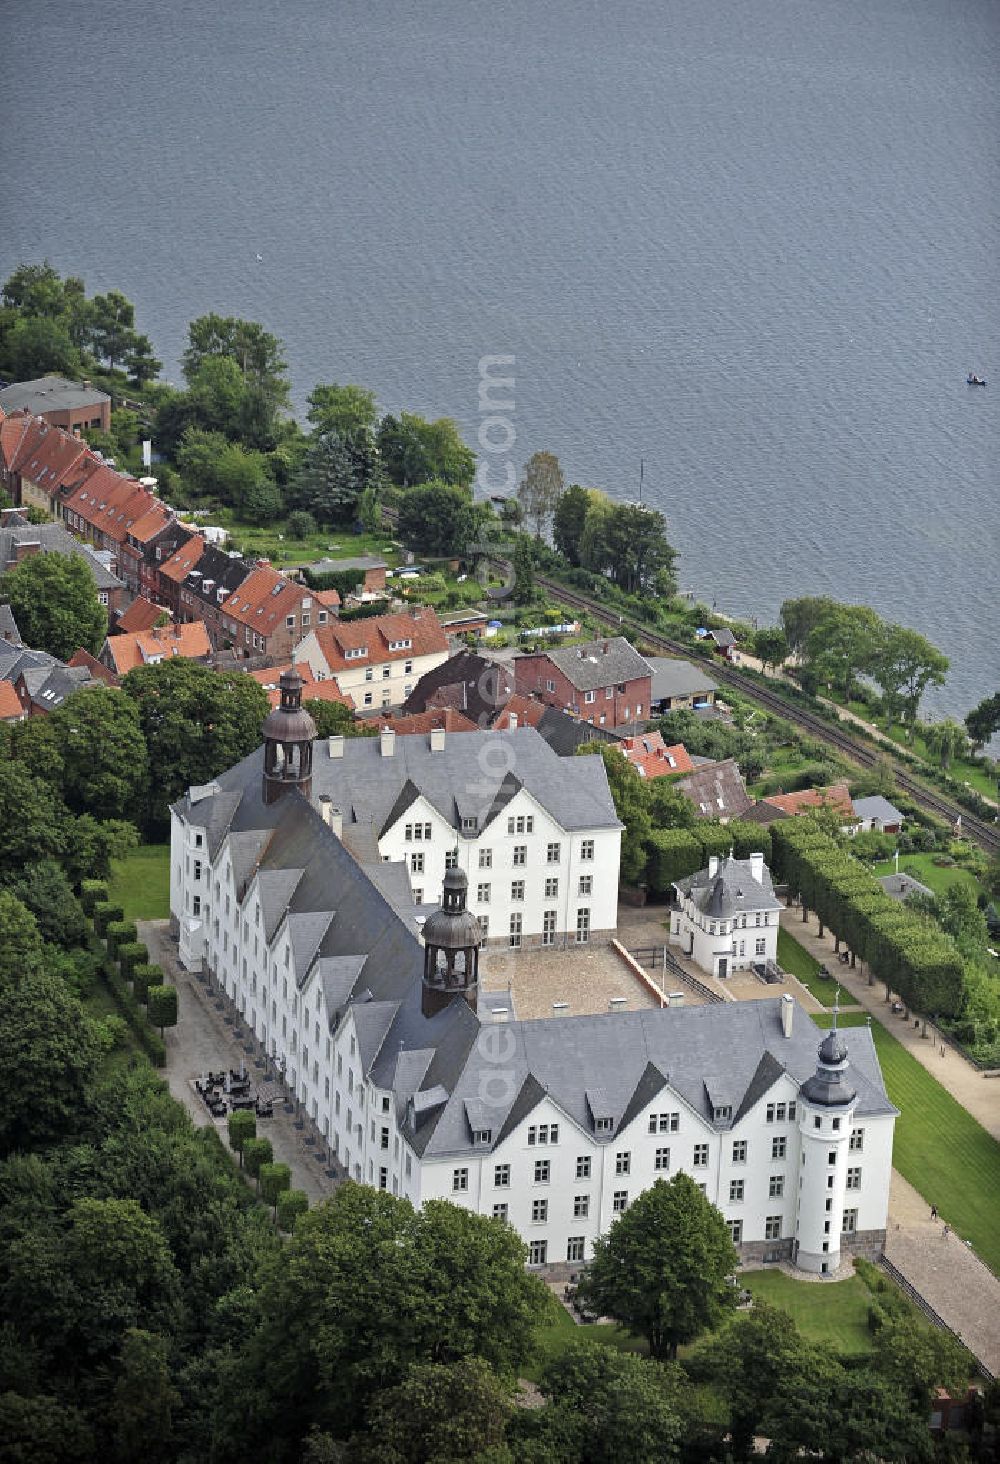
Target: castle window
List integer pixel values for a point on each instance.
(581, 1207)
(778, 1148)
(575, 1248)
(772, 1227)
(538, 1252)
(854, 1178)
(736, 1187)
(501, 1176)
(662, 1159)
(740, 1151)
(857, 1140)
(700, 1159)
(776, 1186)
(500, 1212)
(539, 1212)
(583, 1166)
(735, 1228)
(619, 1202)
(460, 1179)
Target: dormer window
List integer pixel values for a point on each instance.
(724, 1114)
(356, 653)
(469, 825)
(603, 1125)
(482, 1136)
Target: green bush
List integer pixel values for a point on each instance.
(291, 1205)
(242, 1126)
(257, 1153)
(750, 838)
(161, 1006)
(93, 892)
(105, 912)
(713, 839)
(152, 1044)
(130, 955)
(673, 854)
(143, 977)
(274, 1180)
(116, 933)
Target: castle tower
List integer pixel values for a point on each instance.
(288, 739)
(452, 937)
(826, 1115)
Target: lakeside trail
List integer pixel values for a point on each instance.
(979, 1096)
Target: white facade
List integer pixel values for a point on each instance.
(372, 684)
(728, 939)
(530, 881)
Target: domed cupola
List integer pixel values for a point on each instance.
(288, 738)
(452, 937)
(830, 1086)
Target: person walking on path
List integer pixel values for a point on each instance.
(934, 1212)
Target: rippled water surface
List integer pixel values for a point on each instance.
(755, 245)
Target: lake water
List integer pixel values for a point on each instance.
(755, 245)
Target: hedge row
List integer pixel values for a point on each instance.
(903, 947)
(151, 1042)
(676, 853)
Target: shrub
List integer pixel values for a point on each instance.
(118, 933)
(93, 892)
(133, 953)
(750, 838)
(143, 977)
(673, 854)
(291, 1205)
(105, 912)
(152, 1044)
(256, 1153)
(161, 1006)
(242, 1126)
(274, 1180)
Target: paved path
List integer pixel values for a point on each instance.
(979, 1095)
(203, 1041)
(945, 1271)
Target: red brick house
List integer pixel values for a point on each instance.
(604, 682)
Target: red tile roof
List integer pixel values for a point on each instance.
(652, 758)
(183, 560)
(142, 614)
(264, 599)
(381, 638)
(128, 651)
(10, 705)
(313, 690)
(96, 668)
(519, 711)
(837, 796)
(408, 725)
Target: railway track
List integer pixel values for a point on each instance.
(984, 834)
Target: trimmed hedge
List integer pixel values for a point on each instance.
(119, 933)
(714, 839)
(750, 838)
(104, 913)
(151, 1042)
(291, 1204)
(903, 947)
(130, 955)
(673, 854)
(143, 977)
(93, 892)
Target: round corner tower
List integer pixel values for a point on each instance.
(826, 1113)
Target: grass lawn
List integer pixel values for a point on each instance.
(834, 1314)
(560, 1331)
(324, 544)
(796, 959)
(939, 1148)
(140, 882)
(936, 878)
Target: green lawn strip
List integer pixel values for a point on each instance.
(832, 1313)
(140, 882)
(796, 959)
(936, 877)
(560, 1331)
(944, 1152)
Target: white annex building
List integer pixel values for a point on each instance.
(727, 916)
(553, 1125)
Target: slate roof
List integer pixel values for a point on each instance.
(598, 663)
(678, 678)
(717, 790)
(346, 928)
(50, 394)
(9, 633)
(730, 891)
(469, 683)
(901, 886)
(54, 539)
(878, 808)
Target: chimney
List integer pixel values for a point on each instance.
(512, 721)
(675, 998)
(437, 739)
(757, 867)
(332, 817)
(336, 745)
(713, 865)
(387, 742)
(787, 1013)
(606, 647)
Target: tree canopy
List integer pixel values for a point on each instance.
(663, 1268)
(54, 601)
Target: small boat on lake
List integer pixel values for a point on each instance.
(973, 380)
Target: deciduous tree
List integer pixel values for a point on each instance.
(54, 601)
(540, 489)
(568, 522)
(663, 1268)
(905, 665)
(983, 722)
(53, 1048)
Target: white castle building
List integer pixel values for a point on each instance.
(554, 1125)
(727, 916)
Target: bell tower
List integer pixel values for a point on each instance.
(452, 937)
(288, 742)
